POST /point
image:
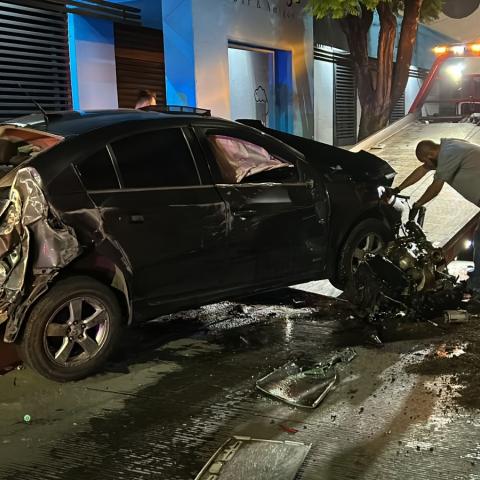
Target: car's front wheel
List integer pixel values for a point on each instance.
(72, 330)
(369, 236)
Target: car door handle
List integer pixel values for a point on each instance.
(136, 219)
(243, 214)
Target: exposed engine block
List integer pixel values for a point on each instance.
(407, 280)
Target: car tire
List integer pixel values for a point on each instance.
(72, 330)
(369, 236)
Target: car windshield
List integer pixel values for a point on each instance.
(20, 144)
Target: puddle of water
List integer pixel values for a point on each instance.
(189, 347)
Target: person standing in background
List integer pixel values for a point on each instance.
(146, 98)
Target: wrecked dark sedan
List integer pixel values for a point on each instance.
(119, 216)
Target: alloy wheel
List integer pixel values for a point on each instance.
(371, 243)
(77, 331)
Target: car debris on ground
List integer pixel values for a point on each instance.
(304, 385)
(245, 457)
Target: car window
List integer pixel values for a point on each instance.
(155, 159)
(240, 161)
(97, 172)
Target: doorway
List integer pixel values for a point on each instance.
(252, 83)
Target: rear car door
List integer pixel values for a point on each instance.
(172, 227)
(278, 216)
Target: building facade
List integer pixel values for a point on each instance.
(263, 59)
(242, 58)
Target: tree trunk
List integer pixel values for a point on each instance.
(373, 118)
(406, 44)
(356, 31)
(385, 50)
(374, 87)
(376, 108)
(380, 90)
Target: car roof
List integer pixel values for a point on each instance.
(72, 123)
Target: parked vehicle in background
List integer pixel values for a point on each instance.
(114, 217)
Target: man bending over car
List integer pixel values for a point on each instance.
(456, 162)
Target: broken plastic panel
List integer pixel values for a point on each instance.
(304, 386)
(254, 459)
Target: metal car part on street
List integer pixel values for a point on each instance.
(304, 386)
(252, 458)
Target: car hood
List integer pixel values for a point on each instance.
(361, 166)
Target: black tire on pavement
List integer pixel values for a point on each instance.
(72, 330)
(369, 235)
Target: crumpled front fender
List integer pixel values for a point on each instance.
(34, 246)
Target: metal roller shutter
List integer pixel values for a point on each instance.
(140, 63)
(33, 60)
(398, 111)
(345, 105)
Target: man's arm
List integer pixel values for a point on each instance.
(430, 193)
(413, 178)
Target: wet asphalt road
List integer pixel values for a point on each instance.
(181, 386)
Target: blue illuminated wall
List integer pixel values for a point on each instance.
(92, 63)
(179, 52)
(284, 91)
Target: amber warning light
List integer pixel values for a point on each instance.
(441, 50)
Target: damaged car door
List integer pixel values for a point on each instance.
(269, 193)
(169, 224)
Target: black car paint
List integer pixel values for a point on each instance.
(351, 181)
(259, 249)
(125, 243)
